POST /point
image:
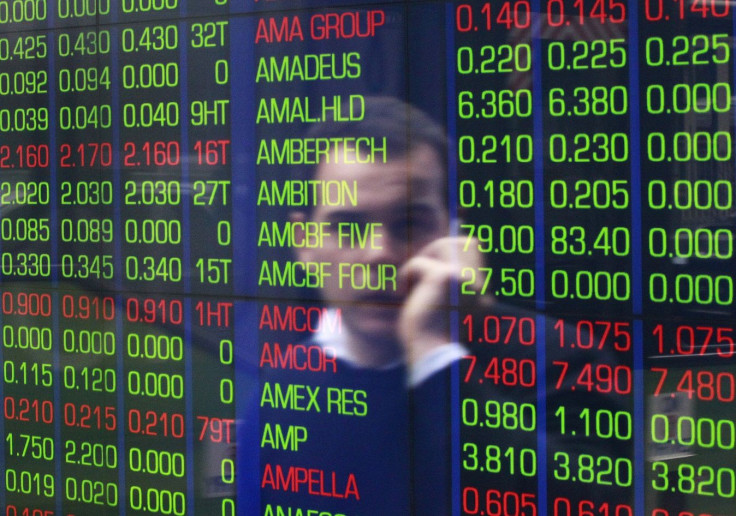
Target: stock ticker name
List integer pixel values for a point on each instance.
(305, 110)
(305, 319)
(300, 357)
(309, 67)
(315, 151)
(309, 234)
(308, 193)
(321, 26)
(308, 398)
(277, 510)
(356, 276)
(311, 481)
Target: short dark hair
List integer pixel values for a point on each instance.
(404, 126)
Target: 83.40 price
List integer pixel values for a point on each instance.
(573, 240)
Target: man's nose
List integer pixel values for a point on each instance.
(390, 248)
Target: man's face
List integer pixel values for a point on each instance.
(404, 199)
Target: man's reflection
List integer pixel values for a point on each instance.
(406, 261)
(392, 265)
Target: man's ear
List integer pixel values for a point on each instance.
(297, 220)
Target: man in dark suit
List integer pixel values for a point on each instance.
(391, 266)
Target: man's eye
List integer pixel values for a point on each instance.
(415, 224)
(400, 228)
(423, 223)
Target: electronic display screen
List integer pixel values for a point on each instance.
(362, 258)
